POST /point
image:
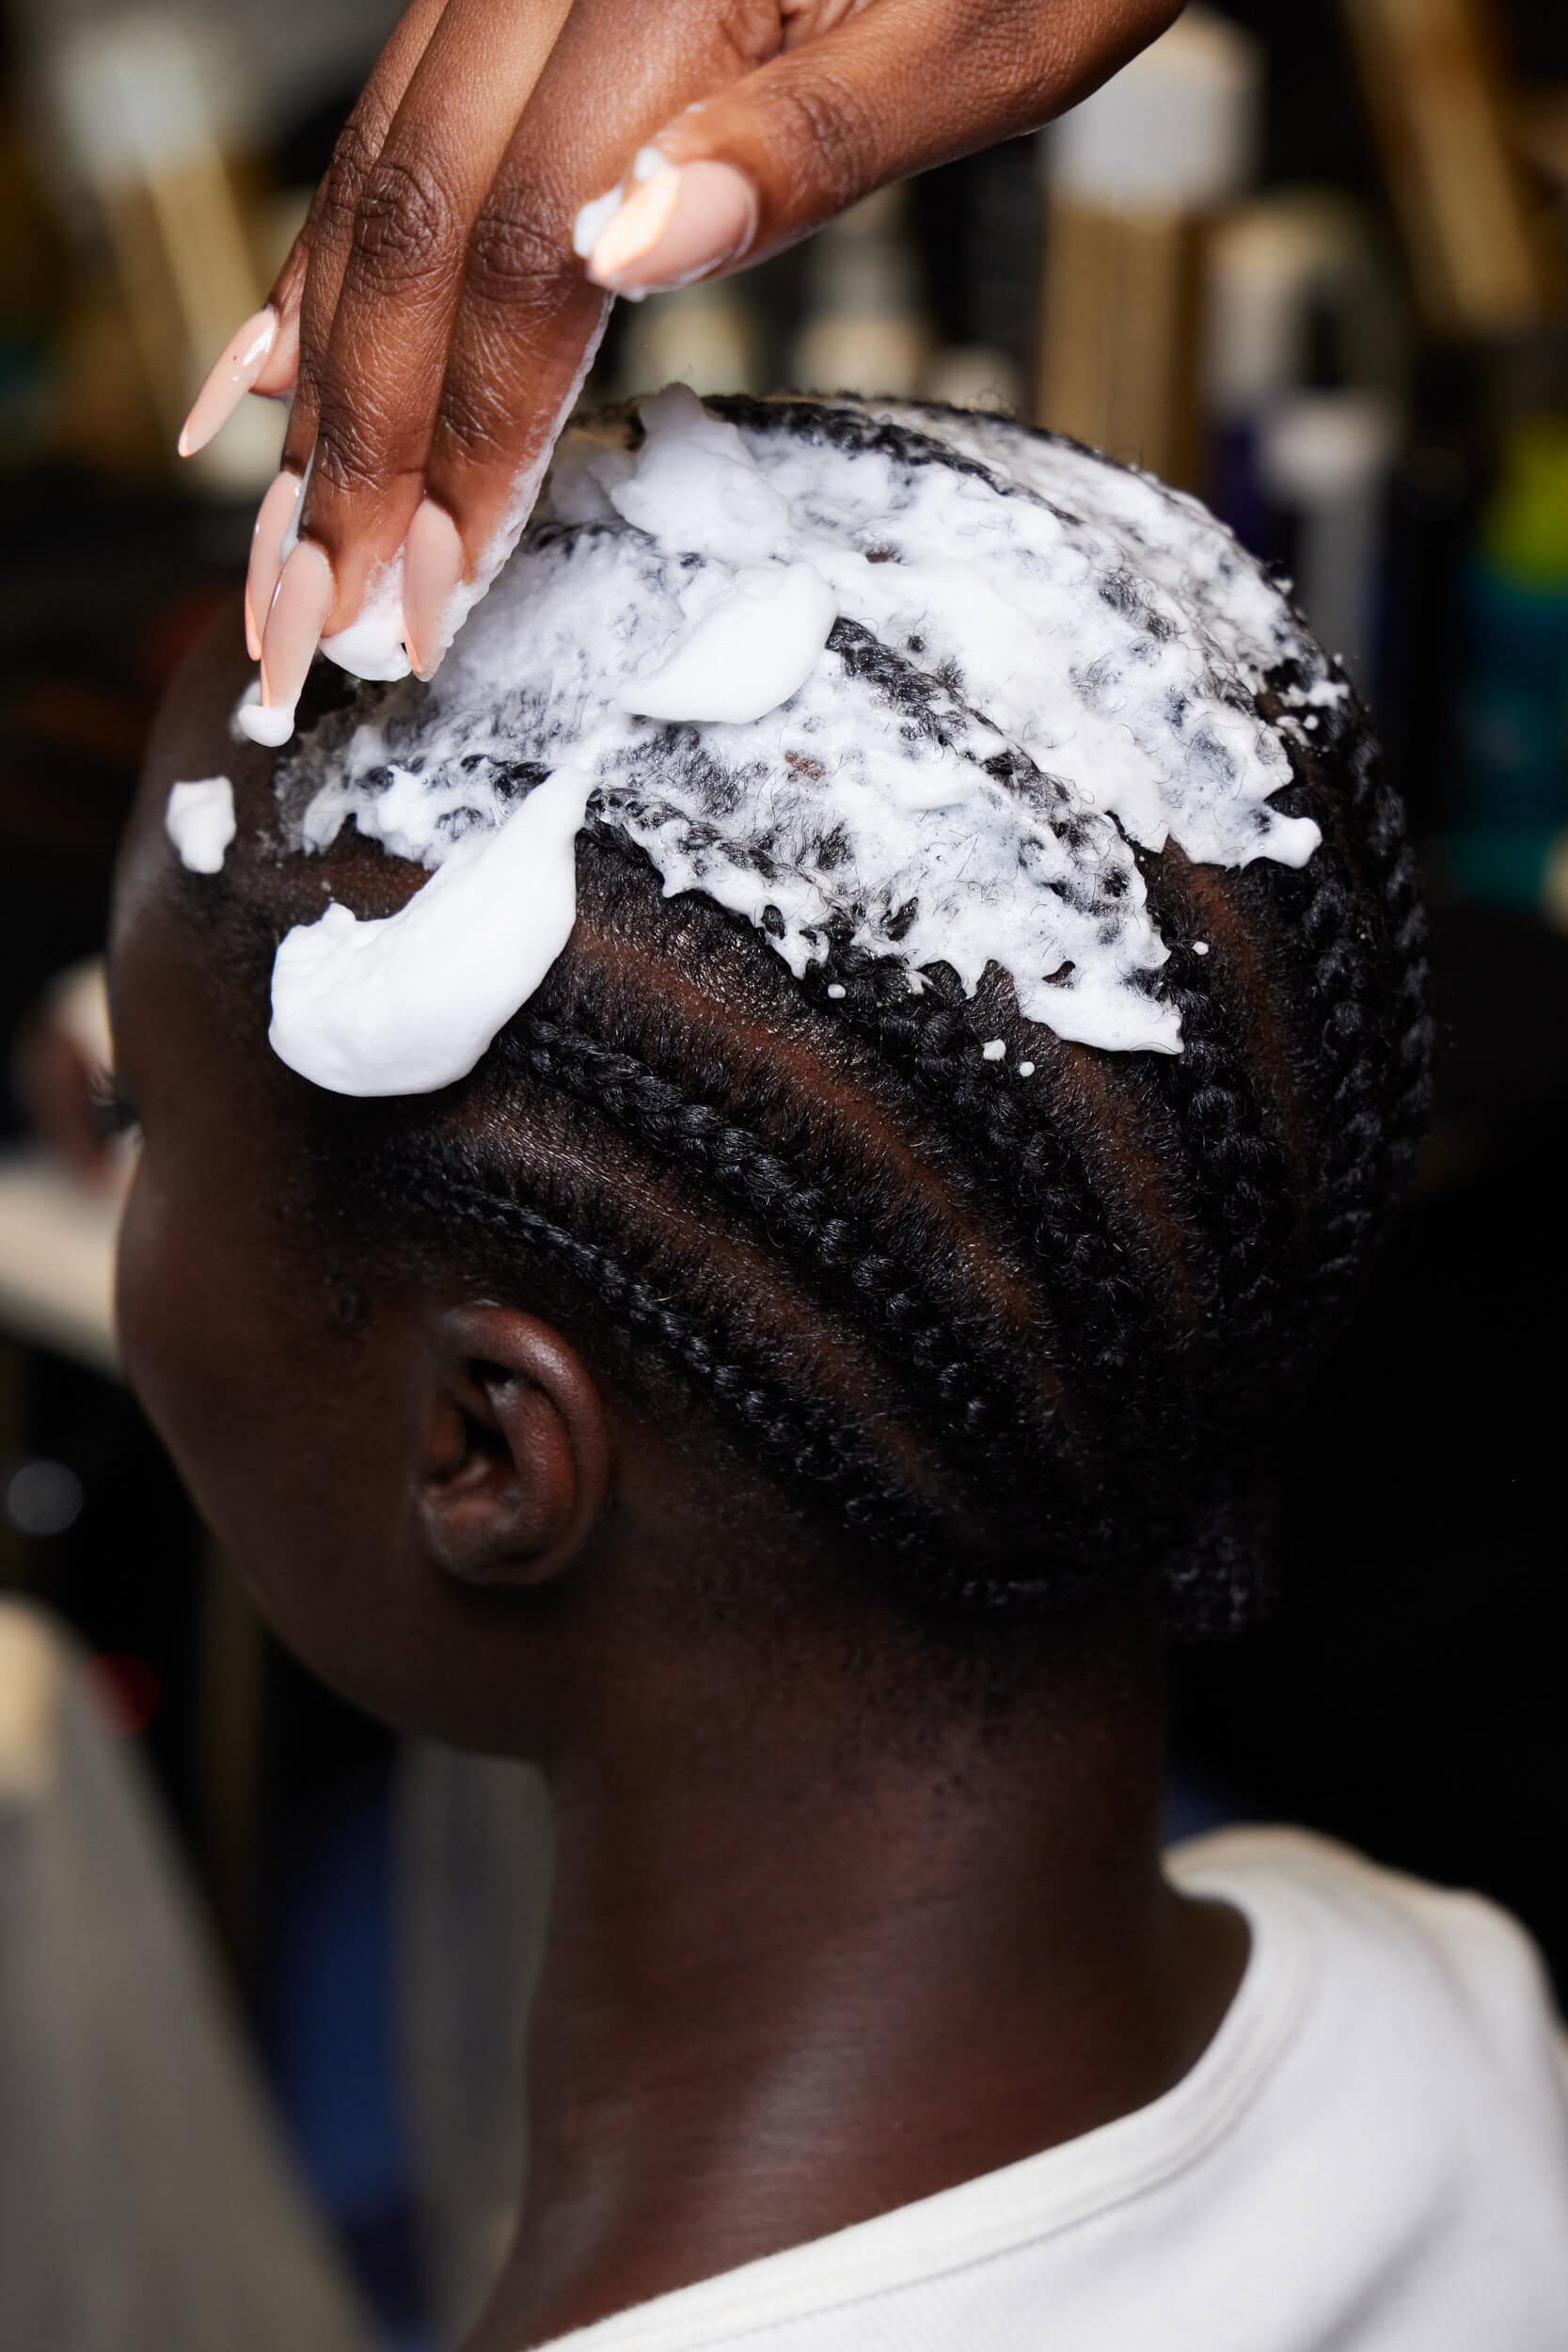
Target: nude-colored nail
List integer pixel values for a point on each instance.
(306, 594)
(674, 227)
(232, 377)
(279, 375)
(434, 561)
(273, 517)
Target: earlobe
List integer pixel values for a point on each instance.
(514, 1469)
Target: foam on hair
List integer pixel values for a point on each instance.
(925, 683)
(1003, 1339)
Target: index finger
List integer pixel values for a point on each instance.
(304, 295)
(379, 381)
(528, 323)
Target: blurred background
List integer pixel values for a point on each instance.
(1311, 260)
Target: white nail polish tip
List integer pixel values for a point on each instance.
(269, 724)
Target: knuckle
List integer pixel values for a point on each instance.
(353, 159)
(404, 223)
(347, 458)
(471, 424)
(827, 129)
(514, 250)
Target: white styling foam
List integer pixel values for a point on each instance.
(268, 723)
(405, 1004)
(519, 506)
(199, 820)
(371, 646)
(747, 656)
(1039, 662)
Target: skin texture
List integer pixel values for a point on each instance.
(822, 1940)
(434, 317)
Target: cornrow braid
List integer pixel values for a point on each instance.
(1010, 1327)
(957, 1354)
(814, 1447)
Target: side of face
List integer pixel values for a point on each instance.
(405, 1490)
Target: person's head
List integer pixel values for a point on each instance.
(744, 1300)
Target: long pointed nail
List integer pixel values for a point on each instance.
(305, 597)
(232, 377)
(433, 564)
(273, 517)
(674, 227)
(278, 378)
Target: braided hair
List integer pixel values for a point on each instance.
(1007, 1332)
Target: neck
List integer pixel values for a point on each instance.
(789, 1987)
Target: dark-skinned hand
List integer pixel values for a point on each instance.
(511, 166)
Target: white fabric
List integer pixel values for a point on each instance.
(147, 2203)
(1371, 2156)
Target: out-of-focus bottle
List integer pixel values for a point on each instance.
(1481, 255)
(1299, 298)
(150, 130)
(865, 328)
(1510, 797)
(1133, 176)
(1324, 463)
(705, 336)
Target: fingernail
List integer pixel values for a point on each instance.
(433, 564)
(273, 519)
(235, 372)
(278, 378)
(674, 227)
(299, 610)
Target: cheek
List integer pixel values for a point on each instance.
(280, 1426)
(162, 1296)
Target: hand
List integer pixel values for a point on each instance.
(511, 166)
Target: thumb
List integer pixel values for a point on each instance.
(899, 87)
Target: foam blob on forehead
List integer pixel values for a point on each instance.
(892, 679)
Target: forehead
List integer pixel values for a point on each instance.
(197, 919)
(190, 739)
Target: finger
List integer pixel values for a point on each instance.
(263, 354)
(376, 390)
(527, 324)
(329, 230)
(306, 293)
(892, 89)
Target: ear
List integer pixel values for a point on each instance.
(515, 1469)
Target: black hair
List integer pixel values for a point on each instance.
(1007, 1340)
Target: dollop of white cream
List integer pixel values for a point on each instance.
(918, 683)
(371, 646)
(267, 724)
(747, 656)
(198, 818)
(406, 1003)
